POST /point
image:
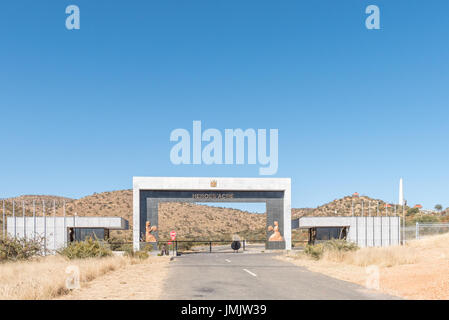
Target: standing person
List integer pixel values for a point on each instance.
(164, 250)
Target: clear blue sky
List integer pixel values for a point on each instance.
(83, 111)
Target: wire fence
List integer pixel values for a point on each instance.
(421, 230)
(409, 232)
(430, 229)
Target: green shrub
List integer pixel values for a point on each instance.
(14, 249)
(86, 249)
(182, 245)
(148, 247)
(128, 248)
(316, 251)
(340, 245)
(116, 244)
(141, 254)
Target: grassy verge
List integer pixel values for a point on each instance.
(417, 270)
(348, 253)
(45, 277)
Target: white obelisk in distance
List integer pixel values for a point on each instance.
(401, 193)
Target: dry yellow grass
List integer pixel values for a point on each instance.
(143, 281)
(382, 257)
(45, 278)
(417, 270)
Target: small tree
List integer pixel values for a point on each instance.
(438, 207)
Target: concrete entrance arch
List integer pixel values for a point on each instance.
(148, 192)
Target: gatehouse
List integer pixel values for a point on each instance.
(148, 192)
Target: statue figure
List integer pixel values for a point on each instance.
(149, 237)
(276, 236)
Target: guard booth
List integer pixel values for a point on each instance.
(374, 231)
(82, 234)
(320, 234)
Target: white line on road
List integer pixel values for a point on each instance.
(227, 260)
(253, 274)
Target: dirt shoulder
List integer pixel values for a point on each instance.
(425, 277)
(143, 281)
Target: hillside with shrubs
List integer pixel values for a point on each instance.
(363, 205)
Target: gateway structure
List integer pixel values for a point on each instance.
(148, 192)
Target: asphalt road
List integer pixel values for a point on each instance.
(223, 276)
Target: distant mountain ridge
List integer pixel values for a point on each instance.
(39, 198)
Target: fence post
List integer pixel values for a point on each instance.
(34, 220)
(417, 231)
(4, 221)
(14, 218)
(24, 220)
(65, 225)
(403, 222)
(381, 231)
(54, 225)
(389, 230)
(210, 247)
(45, 227)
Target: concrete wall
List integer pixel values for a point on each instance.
(55, 229)
(204, 184)
(365, 231)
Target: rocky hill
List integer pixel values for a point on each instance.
(343, 207)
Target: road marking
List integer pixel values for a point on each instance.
(227, 260)
(253, 274)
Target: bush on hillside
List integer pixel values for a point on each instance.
(89, 248)
(425, 219)
(14, 249)
(412, 211)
